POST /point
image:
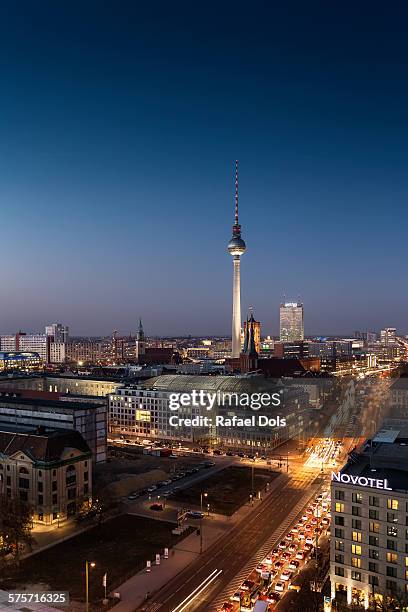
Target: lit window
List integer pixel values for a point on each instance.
(356, 549)
(392, 504)
(339, 507)
(355, 562)
(356, 536)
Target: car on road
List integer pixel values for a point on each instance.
(195, 514)
(300, 555)
(279, 587)
(286, 575)
(236, 596)
(156, 507)
(282, 545)
(133, 495)
(293, 548)
(273, 598)
(293, 565)
(151, 489)
(227, 607)
(309, 540)
(247, 585)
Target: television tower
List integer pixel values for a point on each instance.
(236, 248)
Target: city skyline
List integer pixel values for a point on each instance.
(118, 179)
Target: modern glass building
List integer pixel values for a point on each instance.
(291, 322)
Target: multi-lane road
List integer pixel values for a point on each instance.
(219, 570)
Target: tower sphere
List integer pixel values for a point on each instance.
(236, 246)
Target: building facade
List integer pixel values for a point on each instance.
(51, 472)
(143, 411)
(87, 418)
(369, 543)
(58, 352)
(291, 324)
(388, 336)
(26, 343)
(13, 360)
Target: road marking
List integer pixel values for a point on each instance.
(197, 591)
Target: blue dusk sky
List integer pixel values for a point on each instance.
(119, 126)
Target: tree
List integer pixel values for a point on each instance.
(15, 524)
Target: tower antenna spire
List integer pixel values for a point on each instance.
(236, 192)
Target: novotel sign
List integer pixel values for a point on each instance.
(361, 481)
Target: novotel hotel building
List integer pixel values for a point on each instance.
(369, 532)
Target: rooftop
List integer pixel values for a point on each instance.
(47, 446)
(49, 403)
(224, 384)
(382, 460)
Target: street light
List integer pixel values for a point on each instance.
(88, 564)
(58, 518)
(205, 495)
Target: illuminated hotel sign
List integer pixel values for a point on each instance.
(361, 481)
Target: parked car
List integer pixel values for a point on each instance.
(133, 495)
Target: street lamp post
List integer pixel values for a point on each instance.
(88, 564)
(201, 535)
(205, 495)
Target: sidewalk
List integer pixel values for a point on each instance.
(133, 591)
(46, 537)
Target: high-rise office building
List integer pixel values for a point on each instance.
(291, 322)
(236, 248)
(388, 336)
(58, 332)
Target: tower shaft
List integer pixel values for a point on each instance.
(236, 307)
